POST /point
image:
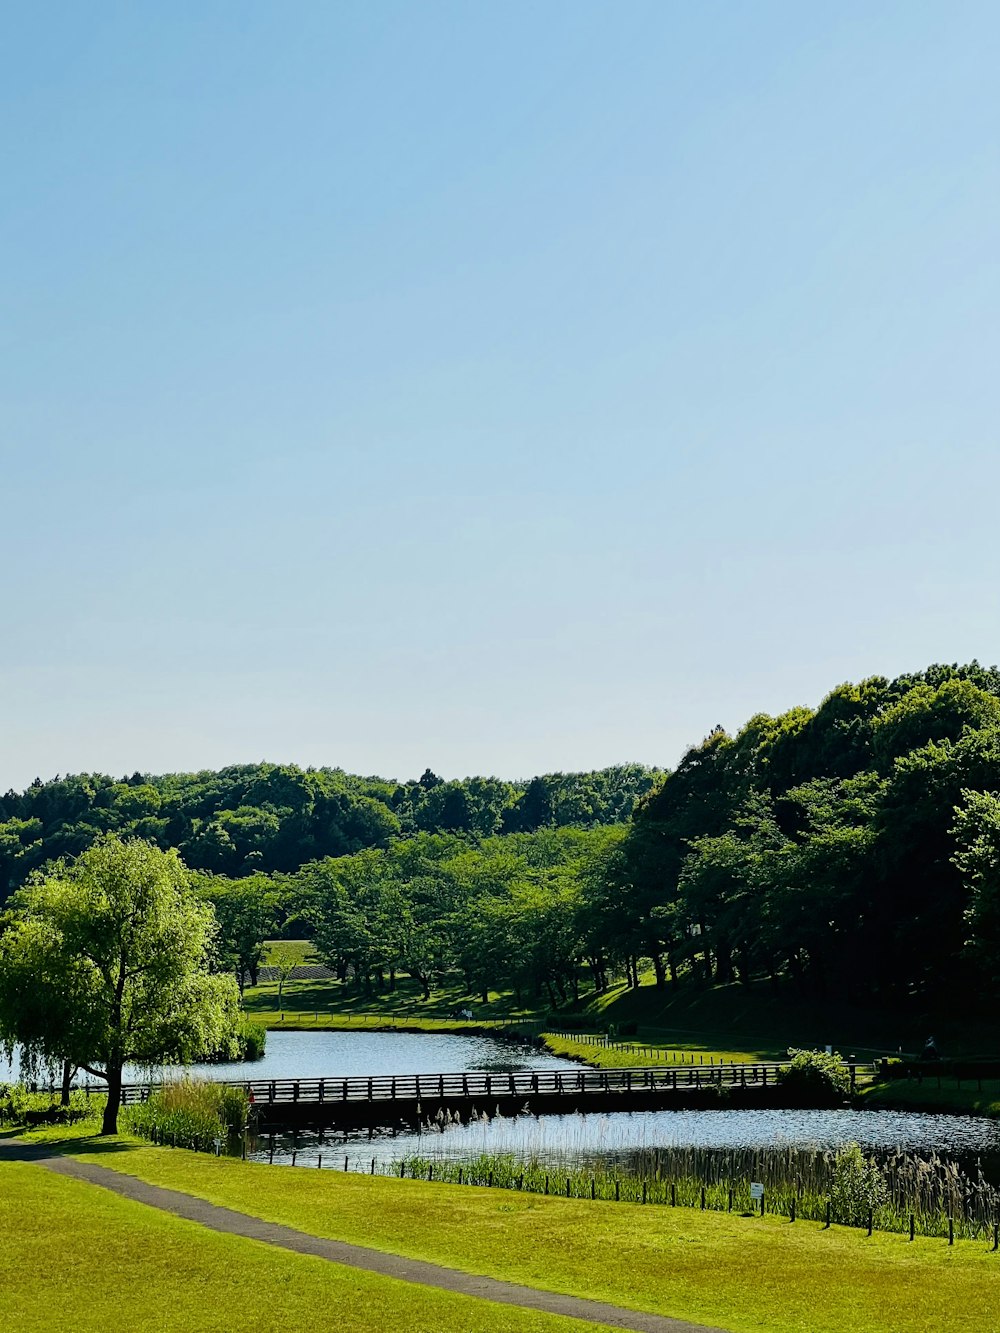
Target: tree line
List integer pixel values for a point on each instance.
(274, 818)
(853, 849)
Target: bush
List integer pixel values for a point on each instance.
(859, 1187)
(814, 1078)
(190, 1111)
(246, 1042)
(253, 1038)
(18, 1106)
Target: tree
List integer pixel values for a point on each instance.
(245, 910)
(104, 962)
(977, 832)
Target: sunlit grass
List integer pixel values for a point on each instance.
(76, 1257)
(724, 1270)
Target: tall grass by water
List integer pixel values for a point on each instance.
(840, 1187)
(897, 1191)
(843, 1187)
(189, 1112)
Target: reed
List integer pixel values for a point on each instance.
(845, 1185)
(189, 1111)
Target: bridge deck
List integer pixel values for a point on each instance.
(479, 1086)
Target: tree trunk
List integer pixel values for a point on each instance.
(67, 1078)
(392, 978)
(658, 968)
(110, 1123)
(673, 972)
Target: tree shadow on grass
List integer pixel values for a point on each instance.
(15, 1147)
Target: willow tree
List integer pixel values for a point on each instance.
(105, 962)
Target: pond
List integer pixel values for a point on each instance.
(327, 1054)
(616, 1139)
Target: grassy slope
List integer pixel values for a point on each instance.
(76, 1257)
(738, 1273)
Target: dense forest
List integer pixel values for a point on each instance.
(274, 818)
(852, 850)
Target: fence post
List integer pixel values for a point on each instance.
(870, 1221)
(951, 1230)
(703, 1198)
(912, 1225)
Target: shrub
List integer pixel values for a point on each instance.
(815, 1078)
(190, 1110)
(18, 1106)
(253, 1038)
(858, 1186)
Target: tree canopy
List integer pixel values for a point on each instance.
(105, 961)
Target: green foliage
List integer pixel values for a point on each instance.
(273, 818)
(19, 1106)
(252, 1038)
(190, 1111)
(815, 1077)
(859, 1188)
(104, 962)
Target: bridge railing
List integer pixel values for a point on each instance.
(476, 1085)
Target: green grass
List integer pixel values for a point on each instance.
(627, 1055)
(733, 1272)
(298, 952)
(77, 1257)
(909, 1095)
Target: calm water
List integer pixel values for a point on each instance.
(585, 1140)
(341, 1054)
(578, 1139)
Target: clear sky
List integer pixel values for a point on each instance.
(500, 387)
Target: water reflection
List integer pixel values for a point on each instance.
(606, 1139)
(343, 1054)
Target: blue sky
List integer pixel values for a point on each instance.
(500, 388)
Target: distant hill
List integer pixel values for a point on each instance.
(276, 817)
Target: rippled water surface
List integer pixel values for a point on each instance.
(342, 1054)
(603, 1138)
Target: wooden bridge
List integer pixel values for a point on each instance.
(391, 1098)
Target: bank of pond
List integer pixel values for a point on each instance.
(930, 1173)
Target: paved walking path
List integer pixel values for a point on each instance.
(354, 1256)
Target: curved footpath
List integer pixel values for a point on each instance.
(233, 1223)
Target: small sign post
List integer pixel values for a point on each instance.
(757, 1192)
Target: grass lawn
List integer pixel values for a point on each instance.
(737, 1273)
(632, 1056)
(908, 1095)
(76, 1257)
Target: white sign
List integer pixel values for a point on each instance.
(756, 1190)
